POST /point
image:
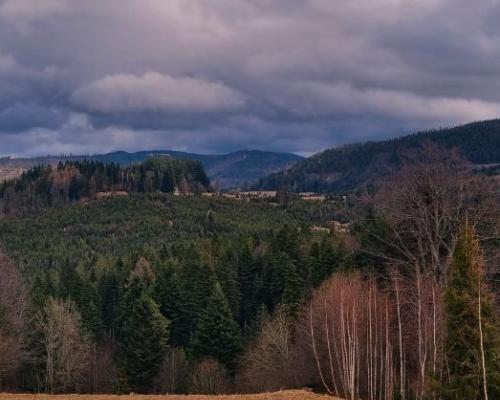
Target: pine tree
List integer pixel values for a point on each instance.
(217, 335)
(324, 258)
(473, 341)
(168, 180)
(317, 273)
(227, 275)
(250, 282)
(109, 294)
(143, 334)
(168, 295)
(196, 283)
(70, 283)
(292, 291)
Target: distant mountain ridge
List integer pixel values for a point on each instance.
(351, 166)
(228, 171)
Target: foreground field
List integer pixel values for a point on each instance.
(284, 395)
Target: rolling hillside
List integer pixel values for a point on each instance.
(351, 166)
(229, 171)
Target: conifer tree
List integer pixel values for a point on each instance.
(196, 283)
(292, 291)
(143, 332)
(227, 275)
(250, 281)
(109, 293)
(168, 180)
(316, 265)
(168, 295)
(217, 335)
(472, 345)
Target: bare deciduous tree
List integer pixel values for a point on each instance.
(67, 351)
(370, 339)
(209, 377)
(13, 304)
(267, 362)
(423, 205)
(348, 324)
(174, 371)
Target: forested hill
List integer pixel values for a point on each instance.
(71, 181)
(231, 170)
(352, 166)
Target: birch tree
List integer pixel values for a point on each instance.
(67, 350)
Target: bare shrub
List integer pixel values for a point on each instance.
(174, 372)
(209, 377)
(267, 363)
(102, 375)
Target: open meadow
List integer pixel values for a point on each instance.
(283, 395)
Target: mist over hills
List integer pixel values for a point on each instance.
(351, 166)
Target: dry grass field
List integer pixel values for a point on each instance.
(284, 395)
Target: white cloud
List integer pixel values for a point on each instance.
(314, 73)
(156, 92)
(317, 98)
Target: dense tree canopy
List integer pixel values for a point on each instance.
(72, 181)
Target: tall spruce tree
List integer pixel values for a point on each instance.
(169, 297)
(217, 334)
(143, 333)
(473, 337)
(109, 292)
(226, 272)
(250, 282)
(196, 281)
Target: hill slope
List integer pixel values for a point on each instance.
(351, 166)
(227, 170)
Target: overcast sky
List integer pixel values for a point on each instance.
(87, 76)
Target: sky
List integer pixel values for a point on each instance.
(215, 76)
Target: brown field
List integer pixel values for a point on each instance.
(284, 395)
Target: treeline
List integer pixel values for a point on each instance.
(220, 296)
(423, 321)
(147, 281)
(118, 325)
(352, 166)
(71, 181)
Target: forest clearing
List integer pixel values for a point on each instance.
(282, 395)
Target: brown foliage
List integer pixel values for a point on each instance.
(268, 363)
(13, 305)
(67, 351)
(101, 376)
(174, 371)
(367, 339)
(209, 377)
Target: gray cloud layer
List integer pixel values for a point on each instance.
(289, 75)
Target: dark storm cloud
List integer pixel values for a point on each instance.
(217, 76)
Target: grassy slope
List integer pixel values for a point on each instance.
(284, 395)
